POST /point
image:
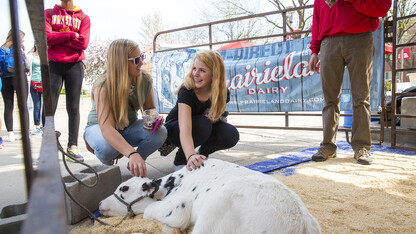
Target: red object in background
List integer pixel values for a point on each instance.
(388, 49)
(237, 44)
(405, 52)
(289, 37)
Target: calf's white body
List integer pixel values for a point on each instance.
(220, 197)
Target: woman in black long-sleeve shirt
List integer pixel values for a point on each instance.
(195, 119)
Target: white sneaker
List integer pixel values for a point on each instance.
(177, 168)
(11, 137)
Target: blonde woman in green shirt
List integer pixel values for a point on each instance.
(113, 127)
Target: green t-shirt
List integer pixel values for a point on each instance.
(133, 103)
(36, 75)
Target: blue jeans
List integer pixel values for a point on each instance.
(37, 104)
(134, 134)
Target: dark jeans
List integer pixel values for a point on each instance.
(7, 91)
(37, 104)
(72, 74)
(211, 137)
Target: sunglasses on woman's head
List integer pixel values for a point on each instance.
(136, 60)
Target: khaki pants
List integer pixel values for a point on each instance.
(355, 51)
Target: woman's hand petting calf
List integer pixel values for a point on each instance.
(195, 161)
(137, 165)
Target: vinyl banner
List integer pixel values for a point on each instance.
(266, 78)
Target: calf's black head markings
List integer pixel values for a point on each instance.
(124, 189)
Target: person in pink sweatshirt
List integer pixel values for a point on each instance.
(343, 36)
(68, 34)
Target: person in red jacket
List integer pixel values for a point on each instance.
(342, 35)
(68, 34)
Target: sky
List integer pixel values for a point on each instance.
(110, 19)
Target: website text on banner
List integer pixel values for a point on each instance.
(266, 78)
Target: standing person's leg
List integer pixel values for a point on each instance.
(332, 70)
(7, 92)
(56, 71)
(36, 99)
(38, 109)
(201, 130)
(223, 136)
(25, 96)
(360, 67)
(73, 84)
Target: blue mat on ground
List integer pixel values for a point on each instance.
(345, 147)
(285, 163)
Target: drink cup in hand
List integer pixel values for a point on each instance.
(150, 118)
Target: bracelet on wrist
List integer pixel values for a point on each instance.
(134, 152)
(190, 157)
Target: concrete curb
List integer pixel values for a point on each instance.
(109, 177)
(12, 216)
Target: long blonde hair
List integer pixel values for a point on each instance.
(9, 39)
(118, 80)
(214, 62)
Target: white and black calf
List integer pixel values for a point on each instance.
(220, 197)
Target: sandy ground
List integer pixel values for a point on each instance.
(130, 225)
(347, 197)
(344, 196)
